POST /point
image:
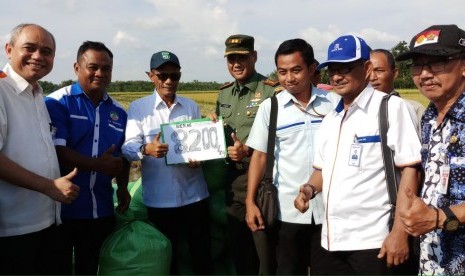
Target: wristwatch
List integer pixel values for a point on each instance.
(142, 150)
(451, 223)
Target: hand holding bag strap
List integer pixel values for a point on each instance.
(388, 156)
(271, 138)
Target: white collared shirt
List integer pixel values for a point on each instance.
(25, 138)
(356, 197)
(163, 185)
(294, 148)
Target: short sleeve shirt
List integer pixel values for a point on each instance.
(89, 130)
(355, 193)
(26, 139)
(296, 129)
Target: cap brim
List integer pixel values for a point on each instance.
(444, 52)
(326, 63)
(163, 63)
(245, 52)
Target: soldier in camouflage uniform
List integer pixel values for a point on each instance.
(238, 103)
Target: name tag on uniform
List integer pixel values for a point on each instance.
(225, 105)
(444, 172)
(355, 155)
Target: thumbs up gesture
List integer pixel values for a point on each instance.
(238, 150)
(418, 218)
(109, 164)
(156, 148)
(63, 190)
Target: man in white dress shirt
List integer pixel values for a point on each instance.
(175, 195)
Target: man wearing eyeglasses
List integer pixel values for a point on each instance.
(438, 215)
(349, 169)
(176, 196)
(237, 104)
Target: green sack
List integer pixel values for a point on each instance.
(137, 209)
(215, 174)
(135, 248)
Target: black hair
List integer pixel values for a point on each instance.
(92, 45)
(389, 56)
(296, 45)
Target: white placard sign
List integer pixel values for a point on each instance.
(198, 140)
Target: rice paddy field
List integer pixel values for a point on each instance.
(207, 99)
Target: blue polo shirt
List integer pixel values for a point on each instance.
(90, 131)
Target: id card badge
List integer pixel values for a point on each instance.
(444, 172)
(355, 155)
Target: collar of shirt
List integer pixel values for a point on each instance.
(251, 83)
(76, 90)
(289, 99)
(160, 103)
(21, 84)
(361, 100)
(456, 111)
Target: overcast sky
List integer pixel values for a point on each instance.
(195, 30)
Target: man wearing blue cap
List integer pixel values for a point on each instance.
(438, 215)
(349, 168)
(175, 195)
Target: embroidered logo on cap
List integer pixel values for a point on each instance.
(462, 42)
(336, 48)
(165, 55)
(427, 37)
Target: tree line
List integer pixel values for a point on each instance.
(404, 79)
(138, 86)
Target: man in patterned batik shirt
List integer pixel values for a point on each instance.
(438, 70)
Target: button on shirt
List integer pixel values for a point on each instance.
(356, 197)
(294, 148)
(442, 252)
(90, 130)
(163, 185)
(25, 138)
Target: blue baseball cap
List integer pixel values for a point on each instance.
(346, 48)
(162, 57)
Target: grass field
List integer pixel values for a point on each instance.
(207, 99)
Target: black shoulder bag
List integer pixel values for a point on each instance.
(388, 159)
(267, 194)
(392, 183)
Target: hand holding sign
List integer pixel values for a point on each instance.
(198, 140)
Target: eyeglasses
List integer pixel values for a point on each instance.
(172, 76)
(435, 66)
(345, 69)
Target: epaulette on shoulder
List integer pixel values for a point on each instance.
(2, 74)
(228, 84)
(271, 82)
(278, 89)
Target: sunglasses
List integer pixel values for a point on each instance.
(343, 70)
(172, 76)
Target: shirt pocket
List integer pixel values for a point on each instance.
(225, 110)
